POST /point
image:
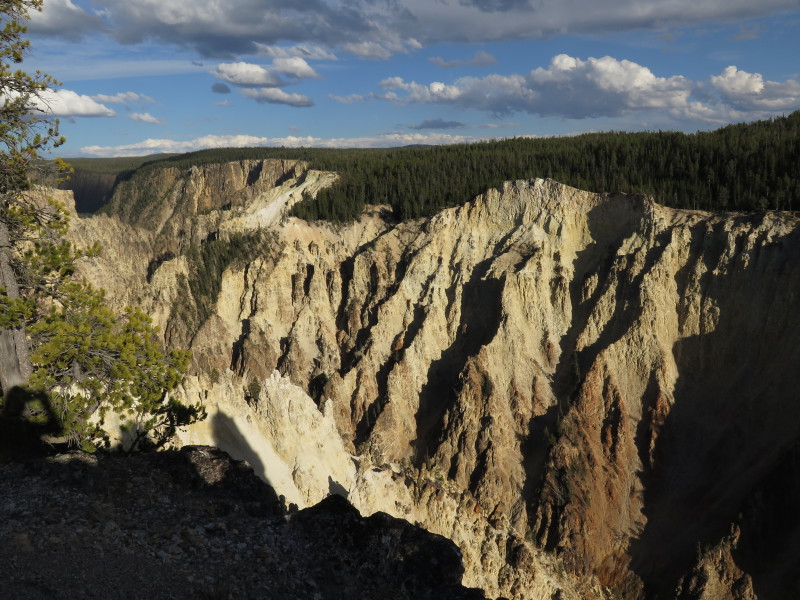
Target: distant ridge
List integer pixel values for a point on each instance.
(94, 179)
(740, 167)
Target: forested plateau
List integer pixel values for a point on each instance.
(739, 167)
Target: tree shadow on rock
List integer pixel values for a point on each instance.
(27, 421)
(246, 462)
(227, 436)
(228, 482)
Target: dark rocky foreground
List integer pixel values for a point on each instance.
(196, 524)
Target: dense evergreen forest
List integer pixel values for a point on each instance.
(739, 167)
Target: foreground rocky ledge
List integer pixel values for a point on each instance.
(195, 524)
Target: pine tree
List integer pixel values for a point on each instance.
(65, 359)
(23, 134)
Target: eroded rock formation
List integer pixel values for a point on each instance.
(592, 395)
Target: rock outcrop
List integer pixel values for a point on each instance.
(590, 394)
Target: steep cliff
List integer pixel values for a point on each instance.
(592, 395)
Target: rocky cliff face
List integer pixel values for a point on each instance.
(592, 395)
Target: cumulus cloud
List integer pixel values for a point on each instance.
(220, 88)
(735, 83)
(387, 140)
(123, 98)
(436, 92)
(151, 145)
(283, 71)
(310, 29)
(247, 74)
(146, 118)
(66, 103)
(64, 19)
(235, 27)
(574, 88)
(495, 20)
(568, 87)
(294, 67)
(750, 92)
(277, 96)
(498, 94)
(480, 59)
(262, 83)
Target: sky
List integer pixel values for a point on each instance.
(147, 76)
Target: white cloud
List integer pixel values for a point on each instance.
(123, 98)
(165, 145)
(277, 96)
(574, 88)
(230, 28)
(66, 103)
(146, 118)
(734, 82)
(436, 92)
(282, 72)
(568, 87)
(294, 67)
(749, 92)
(474, 21)
(615, 86)
(63, 18)
(386, 140)
(247, 74)
(376, 29)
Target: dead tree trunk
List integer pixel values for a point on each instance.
(15, 362)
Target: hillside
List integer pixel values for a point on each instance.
(592, 395)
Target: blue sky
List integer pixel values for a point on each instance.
(146, 76)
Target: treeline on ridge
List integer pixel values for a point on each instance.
(738, 167)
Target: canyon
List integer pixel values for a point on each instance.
(591, 395)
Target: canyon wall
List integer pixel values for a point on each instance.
(594, 396)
